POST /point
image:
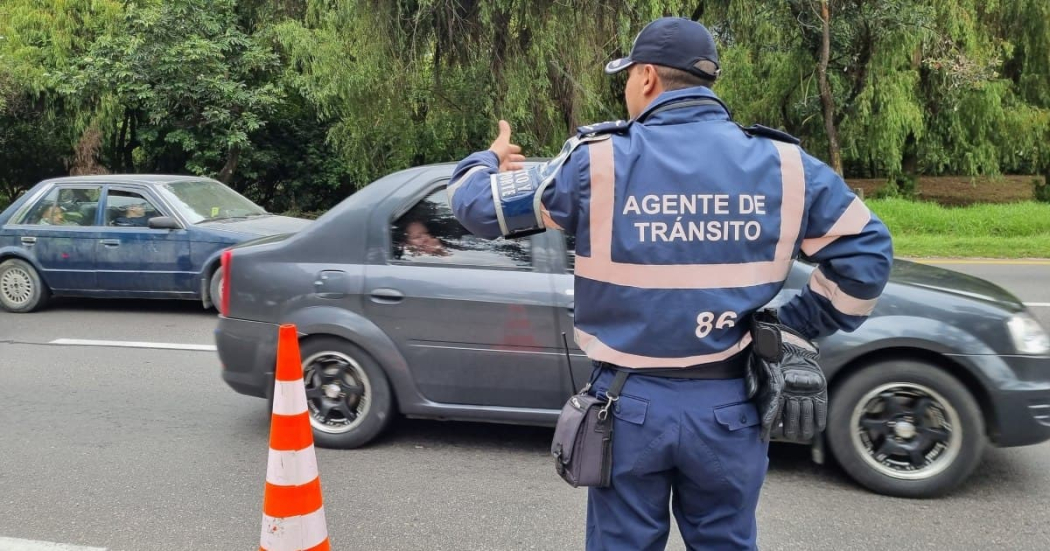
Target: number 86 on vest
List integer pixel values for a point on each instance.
(705, 322)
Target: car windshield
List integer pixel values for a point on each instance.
(204, 200)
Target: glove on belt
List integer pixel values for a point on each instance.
(785, 380)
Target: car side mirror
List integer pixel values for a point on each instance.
(164, 223)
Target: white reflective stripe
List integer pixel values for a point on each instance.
(597, 350)
(462, 180)
(849, 305)
(293, 533)
(852, 222)
(16, 544)
(289, 397)
(291, 468)
(792, 205)
(497, 204)
(600, 266)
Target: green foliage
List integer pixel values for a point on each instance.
(183, 82)
(998, 220)
(934, 245)
(1041, 190)
(299, 102)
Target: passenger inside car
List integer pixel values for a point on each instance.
(134, 215)
(419, 241)
(53, 215)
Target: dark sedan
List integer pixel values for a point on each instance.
(124, 236)
(402, 311)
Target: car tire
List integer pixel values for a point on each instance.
(21, 287)
(342, 378)
(905, 428)
(215, 289)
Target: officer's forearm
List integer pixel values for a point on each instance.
(470, 194)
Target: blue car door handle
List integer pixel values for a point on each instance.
(111, 242)
(28, 240)
(387, 296)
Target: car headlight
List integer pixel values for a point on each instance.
(1029, 337)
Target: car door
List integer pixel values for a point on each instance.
(563, 246)
(59, 232)
(132, 257)
(473, 317)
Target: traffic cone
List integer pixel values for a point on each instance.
(293, 513)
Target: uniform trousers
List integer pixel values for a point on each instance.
(688, 445)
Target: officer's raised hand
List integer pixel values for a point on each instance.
(510, 157)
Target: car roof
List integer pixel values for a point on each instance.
(147, 179)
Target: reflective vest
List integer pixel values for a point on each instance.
(685, 224)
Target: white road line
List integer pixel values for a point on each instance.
(133, 344)
(13, 544)
(1038, 304)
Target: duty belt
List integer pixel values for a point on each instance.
(734, 367)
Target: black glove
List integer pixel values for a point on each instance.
(765, 383)
(785, 380)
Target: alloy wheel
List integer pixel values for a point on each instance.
(906, 431)
(337, 392)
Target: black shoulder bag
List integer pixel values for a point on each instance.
(582, 445)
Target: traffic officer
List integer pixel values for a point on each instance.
(686, 223)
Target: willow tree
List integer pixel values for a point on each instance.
(41, 125)
(424, 81)
(1026, 132)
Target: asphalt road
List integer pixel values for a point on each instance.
(135, 449)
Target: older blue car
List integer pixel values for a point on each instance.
(125, 236)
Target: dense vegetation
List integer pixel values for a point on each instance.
(299, 102)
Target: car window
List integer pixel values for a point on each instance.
(206, 200)
(128, 208)
(65, 206)
(430, 234)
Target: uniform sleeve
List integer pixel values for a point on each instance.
(853, 252)
(557, 181)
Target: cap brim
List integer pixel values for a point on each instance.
(617, 65)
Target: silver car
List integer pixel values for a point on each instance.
(401, 311)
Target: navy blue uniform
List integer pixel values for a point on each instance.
(685, 225)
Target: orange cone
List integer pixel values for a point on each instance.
(293, 514)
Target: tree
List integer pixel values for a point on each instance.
(186, 86)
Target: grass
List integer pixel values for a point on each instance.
(924, 229)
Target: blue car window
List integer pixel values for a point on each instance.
(127, 208)
(430, 234)
(65, 206)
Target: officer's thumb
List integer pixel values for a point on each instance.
(504, 132)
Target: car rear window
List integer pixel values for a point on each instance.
(430, 234)
(64, 206)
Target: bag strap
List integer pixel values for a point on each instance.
(617, 385)
(613, 394)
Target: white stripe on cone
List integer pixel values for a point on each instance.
(293, 533)
(289, 397)
(291, 468)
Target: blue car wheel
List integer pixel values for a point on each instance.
(21, 288)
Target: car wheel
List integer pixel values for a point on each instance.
(215, 288)
(347, 394)
(905, 428)
(21, 289)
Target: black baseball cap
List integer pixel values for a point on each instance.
(674, 42)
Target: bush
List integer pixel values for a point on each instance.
(1041, 190)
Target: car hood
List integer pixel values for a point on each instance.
(953, 283)
(259, 226)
